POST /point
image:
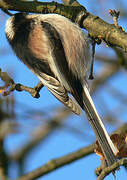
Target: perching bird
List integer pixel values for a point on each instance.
(58, 53)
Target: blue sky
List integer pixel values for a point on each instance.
(62, 141)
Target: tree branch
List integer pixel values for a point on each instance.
(109, 33)
(65, 160)
(19, 87)
(57, 163)
(115, 166)
(40, 134)
(97, 28)
(71, 2)
(70, 12)
(11, 86)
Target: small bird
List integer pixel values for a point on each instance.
(57, 51)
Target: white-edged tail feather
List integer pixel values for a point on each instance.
(107, 146)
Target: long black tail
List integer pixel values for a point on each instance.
(86, 102)
(103, 138)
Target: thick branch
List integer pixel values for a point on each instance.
(70, 12)
(57, 163)
(97, 28)
(102, 30)
(65, 160)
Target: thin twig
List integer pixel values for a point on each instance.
(115, 14)
(10, 86)
(112, 168)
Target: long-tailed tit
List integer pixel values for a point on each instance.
(57, 52)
